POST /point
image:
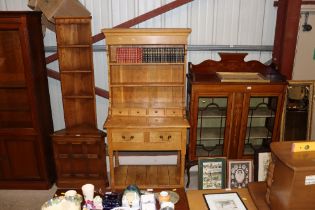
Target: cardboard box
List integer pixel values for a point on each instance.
(61, 8)
(55, 8)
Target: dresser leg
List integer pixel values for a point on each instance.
(112, 168)
(116, 158)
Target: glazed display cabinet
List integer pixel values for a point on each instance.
(146, 71)
(234, 107)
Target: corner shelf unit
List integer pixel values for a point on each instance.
(80, 144)
(146, 103)
(76, 70)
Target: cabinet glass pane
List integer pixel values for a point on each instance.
(260, 123)
(211, 126)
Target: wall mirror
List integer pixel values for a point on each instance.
(297, 111)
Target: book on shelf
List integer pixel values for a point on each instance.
(150, 55)
(129, 55)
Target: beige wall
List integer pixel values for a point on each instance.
(304, 65)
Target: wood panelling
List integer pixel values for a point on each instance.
(25, 116)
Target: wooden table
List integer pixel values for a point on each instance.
(196, 200)
(182, 204)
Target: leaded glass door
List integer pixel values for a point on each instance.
(211, 121)
(260, 123)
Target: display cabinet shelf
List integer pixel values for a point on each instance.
(258, 132)
(261, 112)
(211, 113)
(210, 133)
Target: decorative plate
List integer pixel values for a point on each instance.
(174, 197)
(62, 202)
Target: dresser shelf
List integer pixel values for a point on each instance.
(156, 176)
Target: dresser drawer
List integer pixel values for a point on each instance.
(156, 112)
(174, 112)
(165, 137)
(127, 136)
(120, 111)
(138, 112)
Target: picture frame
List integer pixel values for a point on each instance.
(224, 201)
(262, 159)
(240, 173)
(212, 173)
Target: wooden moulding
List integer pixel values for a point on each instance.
(241, 77)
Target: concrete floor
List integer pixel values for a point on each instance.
(25, 199)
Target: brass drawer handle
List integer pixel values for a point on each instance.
(126, 139)
(168, 138)
(155, 111)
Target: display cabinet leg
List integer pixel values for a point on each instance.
(188, 175)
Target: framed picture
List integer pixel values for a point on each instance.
(261, 162)
(224, 201)
(211, 173)
(240, 173)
